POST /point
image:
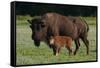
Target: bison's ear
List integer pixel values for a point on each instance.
(29, 21)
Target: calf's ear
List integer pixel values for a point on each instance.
(29, 21)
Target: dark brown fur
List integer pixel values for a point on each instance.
(54, 24)
(59, 41)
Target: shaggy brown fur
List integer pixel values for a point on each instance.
(54, 24)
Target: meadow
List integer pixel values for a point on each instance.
(27, 53)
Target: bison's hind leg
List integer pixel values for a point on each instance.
(86, 42)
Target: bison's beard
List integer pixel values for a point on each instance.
(37, 43)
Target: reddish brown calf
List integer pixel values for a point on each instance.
(60, 41)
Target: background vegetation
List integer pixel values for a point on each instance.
(40, 9)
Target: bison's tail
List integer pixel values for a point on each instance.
(86, 24)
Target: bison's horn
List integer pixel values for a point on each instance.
(29, 21)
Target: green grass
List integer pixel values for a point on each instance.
(27, 53)
(90, 20)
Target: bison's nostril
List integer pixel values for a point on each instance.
(36, 38)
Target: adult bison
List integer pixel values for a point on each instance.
(54, 24)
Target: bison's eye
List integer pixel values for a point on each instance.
(42, 25)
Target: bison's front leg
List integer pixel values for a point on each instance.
(54, 50)
(77, 46)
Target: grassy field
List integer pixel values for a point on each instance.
(27, 53)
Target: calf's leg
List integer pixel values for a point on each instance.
(54, 50)
(68, 46)
(57, 51)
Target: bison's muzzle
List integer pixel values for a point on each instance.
(37, 38)
(37, 43)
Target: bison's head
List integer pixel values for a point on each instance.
(38, 30)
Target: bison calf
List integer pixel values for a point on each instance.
(60, 41)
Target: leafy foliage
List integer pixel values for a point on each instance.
(40, 9)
